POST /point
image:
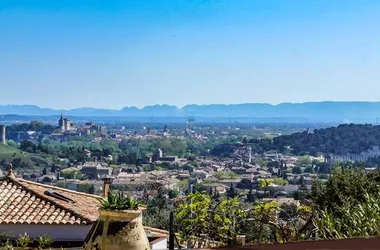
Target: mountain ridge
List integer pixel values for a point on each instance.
(331, 110)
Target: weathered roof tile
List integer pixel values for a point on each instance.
(25, 202)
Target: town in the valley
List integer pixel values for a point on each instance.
(163, 164)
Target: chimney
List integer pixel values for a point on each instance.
(10, 170)
(240, 240)
(107, 181)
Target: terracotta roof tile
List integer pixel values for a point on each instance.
(25, 202)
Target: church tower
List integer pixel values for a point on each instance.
(61, 123)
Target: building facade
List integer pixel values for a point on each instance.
(362, 157)
(95, 170)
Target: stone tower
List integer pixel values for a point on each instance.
(158, 154)
(3, 134)
(61, 123)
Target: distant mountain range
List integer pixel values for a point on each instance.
(315, 111)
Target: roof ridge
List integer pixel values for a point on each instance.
(59, 188)
(156, 230)
(47, 198)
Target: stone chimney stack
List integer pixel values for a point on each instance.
(240, 240)
(10, 170)
(107, 181)
(3, 134)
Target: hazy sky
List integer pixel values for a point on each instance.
(111, 54)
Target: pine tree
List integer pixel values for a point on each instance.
(245, 141)
(232, 191)
(91, 190)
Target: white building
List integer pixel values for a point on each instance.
(362, 157)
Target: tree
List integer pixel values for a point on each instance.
(192, 216)
(157, 212)
(304, 161)
(196, 164)
(27, 146)
(84, 187)
(264, 184)
(344, 184)
(297, 170)
(173, 194)
(273, 164)
(344, 139)
(53, 168)
(71, 174)
(182, 186)
(280, 181)
(232, 191)
(202, 220)
(244, 184)
(309, 169)
(200, 187)
(157, 220)
(46, 180)
(245, 141)
(263, 213)
(226, 175)
(251, 197)
(288, 211)
(61, 184)
(323, 168)
(355, 220)
(91, 190)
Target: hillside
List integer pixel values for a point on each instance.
(18, 158)
(344, 139)
(310, 111)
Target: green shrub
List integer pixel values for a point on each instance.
(117, 201)
(45, 241)
(23, 241)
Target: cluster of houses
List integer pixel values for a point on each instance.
(36, 203)
(136, 181)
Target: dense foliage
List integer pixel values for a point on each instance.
(76, 150)
(345, 184)
(354, 220)
(346, 205)
(32, 126)
(205, 221)
(344, 139)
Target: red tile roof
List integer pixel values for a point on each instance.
(26, 202)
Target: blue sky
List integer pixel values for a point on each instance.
(111, 54)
